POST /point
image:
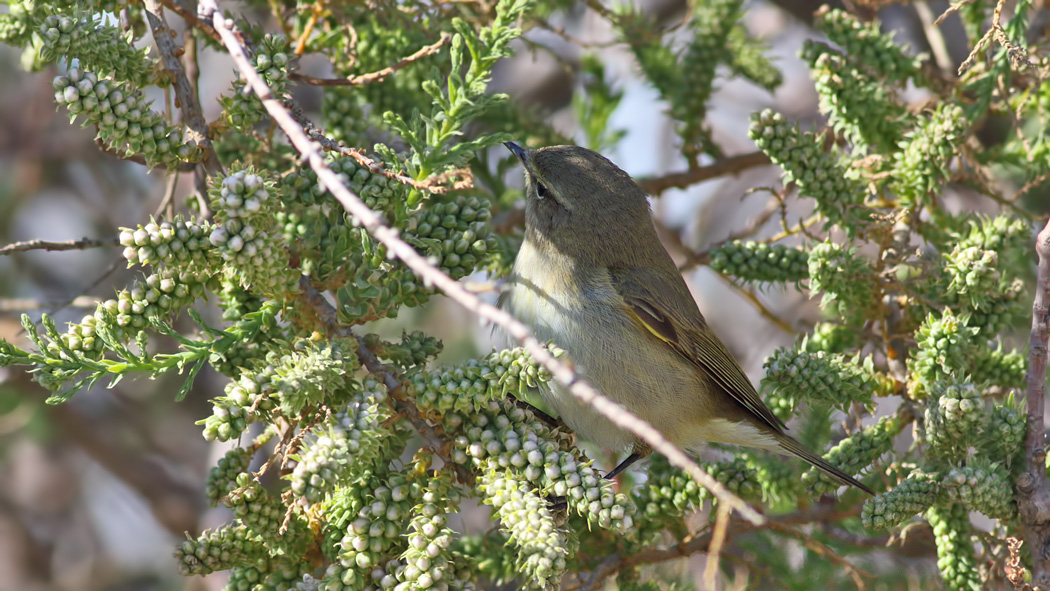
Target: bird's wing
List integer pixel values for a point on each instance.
(670, 313)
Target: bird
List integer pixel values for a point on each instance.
(593, 278)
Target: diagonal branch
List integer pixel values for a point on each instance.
(1033, 487)
(396, 247)
(379, 75)
(185, 96)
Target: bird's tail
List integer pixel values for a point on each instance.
(788, 444)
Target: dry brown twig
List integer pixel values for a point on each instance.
(679, 180)
(379, 75)
(370, 220)
(185, 97)
(82, 244)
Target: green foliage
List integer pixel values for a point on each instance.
(359, 470)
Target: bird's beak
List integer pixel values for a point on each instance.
(518, 151)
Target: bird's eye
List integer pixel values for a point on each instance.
(541, 190)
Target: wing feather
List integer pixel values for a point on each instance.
(685, 331)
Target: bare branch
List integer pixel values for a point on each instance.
(680, 180)
(1033, 487)
(185, 96)
(82, 244)
(396, 247)
(379, 75)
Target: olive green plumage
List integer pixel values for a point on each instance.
(593, 277)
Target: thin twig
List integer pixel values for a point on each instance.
(714, 550)
(185, 97)
(1033, 487)
(703, 541)
(379, 75)
(934, 36)
(191, 18)
(82, 244)
(686, 178)
(396, 247)
(695, 259)
(24, 304)
(330, 145)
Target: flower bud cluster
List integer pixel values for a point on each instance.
(415, 350)
(999, 310)
(909, 498)
(543, 547)
(972, 275)
(1005, 431)
(944, 349)
(778, 480)
(456, 235)
(995, 367)
(350, 444)
(983, 486)
(834, 379)
(343, 115)
(255, 256)
(309, 371)
(515, 441)
(83, 338)
(123, 118)
(670, 493)
(818, 174)
(374, 287)
(845, 278)
(953, 536)
(379, 192)
(748, 60)
(243, 109)
(470, 386)
(276, 573)
(161, 293)
(377, 533)
(711, 24)
(859, 107)
(246, 399)
(830, 338)
(866, 45)
(179, 243)
(761, 262)
(428, 561)
(264, 515)
(218, 549)
(101, 48)
(922, 164)
(223, 477)
(954, 416)
(854, 453)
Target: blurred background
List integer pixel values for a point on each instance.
(94, 494)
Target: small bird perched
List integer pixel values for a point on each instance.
(593, 277)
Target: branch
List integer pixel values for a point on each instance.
(82, 244)
(681, 180)
(192, 19)
(396, 247)
(702, 542)
(377, 76)
(328, 317)
(1033, 488)
(331, 145)
(185, 97)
